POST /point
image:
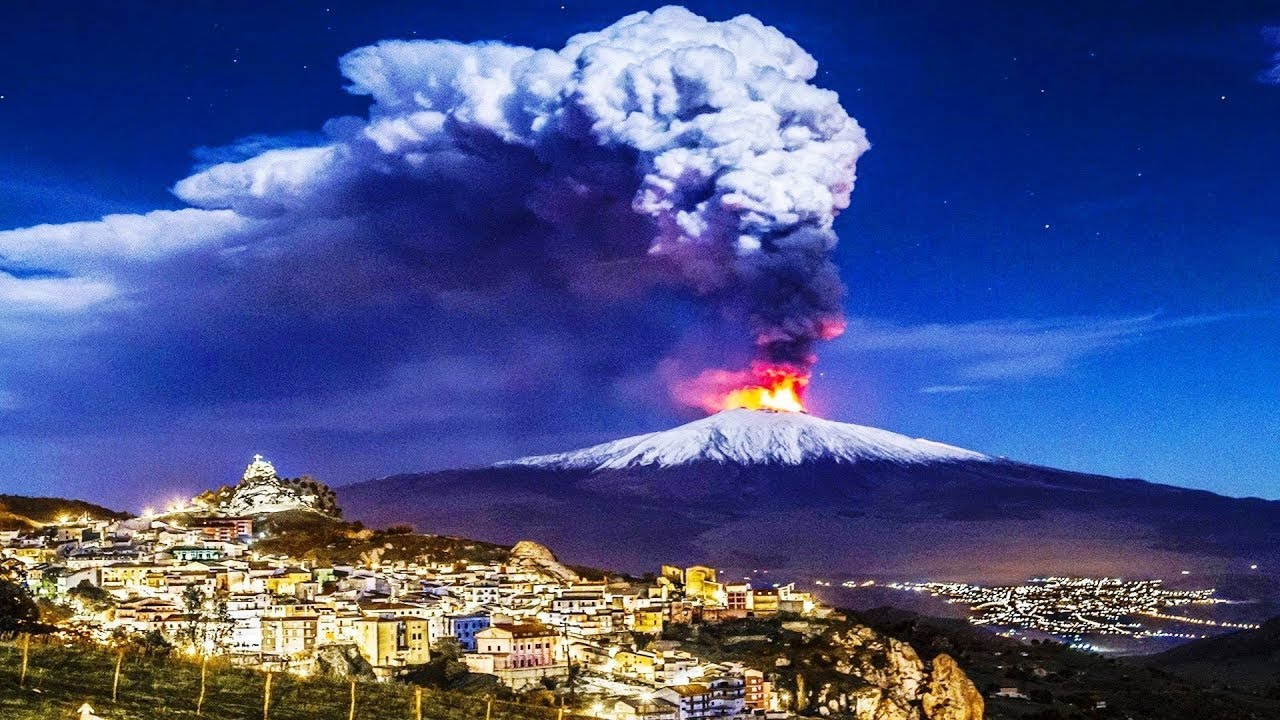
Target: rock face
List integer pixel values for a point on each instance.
(262, 491)
(951, 695)
(529, 554)
(342, 661)
(895, 683)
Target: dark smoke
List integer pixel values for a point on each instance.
(664, 150)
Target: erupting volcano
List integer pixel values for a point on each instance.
(782, 390)
(810, 497)
(777, 388)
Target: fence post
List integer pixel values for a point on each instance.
(26, 648)
(115, 681)
(488, 709)
(417, 704)
(351, 713)
(204, 667)
(266, 698)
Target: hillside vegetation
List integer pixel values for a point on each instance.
(312, 536)
(61, 678)
(18, 512)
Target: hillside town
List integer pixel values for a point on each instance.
(194, 577)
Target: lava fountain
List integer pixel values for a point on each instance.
(779, 388)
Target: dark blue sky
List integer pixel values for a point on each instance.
(1061, 248)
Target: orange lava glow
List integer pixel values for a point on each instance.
(780, 389)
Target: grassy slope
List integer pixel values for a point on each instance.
(61, 678)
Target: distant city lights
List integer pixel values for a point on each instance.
(1071, 608)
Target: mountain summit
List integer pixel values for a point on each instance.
(754, 437)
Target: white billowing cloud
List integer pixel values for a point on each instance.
(49, 295)
(420, 83)
(270, 183)
(496, 201)
(116, 238)
(719, 107)
(712, 128)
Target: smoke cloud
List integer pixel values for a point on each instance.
(493, 194)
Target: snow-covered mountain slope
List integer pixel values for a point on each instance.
(754, 437)
(812, 498)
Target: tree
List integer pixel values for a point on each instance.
(1040, 695)
(573, 681)
(18, 610)
(193, 609)
(208, 619)
(151, 645)
(446, 669)
(49, 581)
(91, 596)
(218, 622)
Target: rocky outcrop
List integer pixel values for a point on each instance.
(262, 491)
(951, 695)
(342, 661)
(529, 555)
(887, 680)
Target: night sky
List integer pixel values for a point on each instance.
(1061, 248)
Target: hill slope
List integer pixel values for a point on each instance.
(1249, 659)
(18, 512)
(1060, 682)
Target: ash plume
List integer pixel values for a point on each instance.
(663, 158)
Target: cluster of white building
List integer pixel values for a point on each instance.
(525, 620)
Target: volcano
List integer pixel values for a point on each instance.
(754, 437)
(811, 498)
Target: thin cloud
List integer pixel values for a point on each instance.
(948, 389)
(1009, 350)
(9, 401)
(1271, 75)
